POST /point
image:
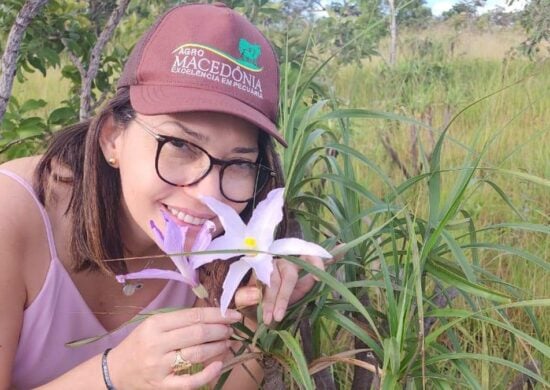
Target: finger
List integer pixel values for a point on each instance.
(202, 378)
(289, 277)
(270, 295)
(186, 317)
(194, 335)
(316, 261)
(338, 256)
(247, 296)
(199, 353)
(302, 288)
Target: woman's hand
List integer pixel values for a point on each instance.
(145, 358)
(285, 288)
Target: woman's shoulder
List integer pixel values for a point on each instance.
(20, 219)
(23, 167)
(15, 199)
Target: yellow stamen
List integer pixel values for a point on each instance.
(250, 242)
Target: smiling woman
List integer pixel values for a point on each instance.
(124, 185)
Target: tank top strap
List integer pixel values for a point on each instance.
(45, 218)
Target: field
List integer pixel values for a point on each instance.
(456, 71)
(498, 108)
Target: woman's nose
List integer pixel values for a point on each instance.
(209, 185)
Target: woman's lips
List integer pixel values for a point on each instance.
(184, 216)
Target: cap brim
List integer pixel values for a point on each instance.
(156, 99)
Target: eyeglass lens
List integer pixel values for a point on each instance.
(182, 163)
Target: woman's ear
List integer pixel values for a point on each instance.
(110, 141)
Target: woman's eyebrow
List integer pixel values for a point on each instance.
(242, 149)
(204, 138)
(191, 133)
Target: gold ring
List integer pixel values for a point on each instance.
(181, 366)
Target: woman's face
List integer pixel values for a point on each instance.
(144, 193)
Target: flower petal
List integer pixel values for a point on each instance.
(159, 237)
(204, 237)
(224, 242)
(187, 271)
(230, 220)
(174, 237)
(151, 273)
(262, 265)
(295, 246)
(265, 218)
(236, 273)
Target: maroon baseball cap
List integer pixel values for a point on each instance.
(205, 57)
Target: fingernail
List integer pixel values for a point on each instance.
(234, 315)
(279, 313)
(267, 317)
(254, 296)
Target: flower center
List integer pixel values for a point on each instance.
(250, 243)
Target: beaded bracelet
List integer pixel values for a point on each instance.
(105, 369)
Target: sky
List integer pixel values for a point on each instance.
(440, 6)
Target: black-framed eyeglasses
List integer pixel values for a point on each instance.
(182, 163)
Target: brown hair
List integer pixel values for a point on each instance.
(96, 190)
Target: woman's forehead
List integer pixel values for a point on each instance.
(209, 127)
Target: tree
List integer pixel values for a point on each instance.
(414, 14)
(464, 7)
(536, 22)
(9, 59)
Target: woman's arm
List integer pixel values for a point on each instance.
(17, 223)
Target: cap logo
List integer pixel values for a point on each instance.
(198, 60)
(249, 53)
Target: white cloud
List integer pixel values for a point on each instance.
(438, 7)
(492, 4)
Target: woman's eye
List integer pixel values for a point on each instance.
(178, 143)
(244, 166)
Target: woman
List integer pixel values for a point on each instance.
(194, 114)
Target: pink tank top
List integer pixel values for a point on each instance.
(59, 314)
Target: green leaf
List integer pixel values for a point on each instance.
(522, 175)
(37, 63)
(31, 127)
(337, 286)
(299, 360)
(512, 250)
(353, 328)
(492, 359)
(532, 227)
(32, 104)
(504, 197)
(459, 255)
(61, 116)
(465, 315)
(447, 274)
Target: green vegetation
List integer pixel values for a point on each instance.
(433, 175)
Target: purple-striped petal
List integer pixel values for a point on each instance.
(174, 237)
(159, 237)
(188, 273)
(204, 236)
(236, 273)
(295, 246)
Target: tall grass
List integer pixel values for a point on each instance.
(457, 220)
